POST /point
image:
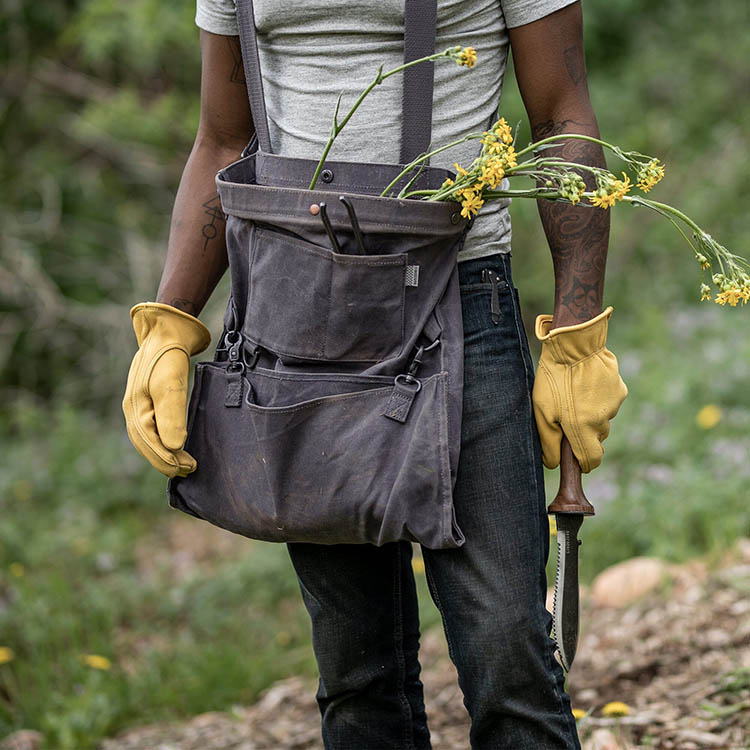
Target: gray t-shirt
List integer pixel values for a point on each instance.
(311, 51)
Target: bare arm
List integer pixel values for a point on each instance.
(551, 72)
(196, 252)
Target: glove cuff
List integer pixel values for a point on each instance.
(570, 344)
(169, 323)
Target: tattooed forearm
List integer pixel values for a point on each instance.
(212, 208)
(238, 71)
(577, 235)
(185, 305)
(574, 64)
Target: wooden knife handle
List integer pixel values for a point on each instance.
(570, 497)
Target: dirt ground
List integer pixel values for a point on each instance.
(679, 657)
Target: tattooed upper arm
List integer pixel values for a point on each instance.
(225, 111)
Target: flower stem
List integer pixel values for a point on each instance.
(424, 157)
(379, 78)
(565, 137)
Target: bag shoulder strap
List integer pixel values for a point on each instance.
(420, 21)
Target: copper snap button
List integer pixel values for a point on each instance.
(314, 209)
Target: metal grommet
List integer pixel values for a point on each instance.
(326, 175)
(232, 337)
(455, 217)
(409, 380)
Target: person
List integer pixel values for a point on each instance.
(491, 591)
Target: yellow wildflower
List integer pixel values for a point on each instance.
(459, 169)
(578, 713)
(705, 292)
(503, 131)
(493, 145)
(705, 263)
(467, 57)
(650, 175)
(621, 187)
(471, 203)
(730, 297)
(97, 662)
(16, 569)
(603, 199)
(492, 172)
(610, 190)
(6, 654)
(616, 708)
(447, 182)
(708, 417)
(509, 157)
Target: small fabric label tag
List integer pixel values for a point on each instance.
(412, 276)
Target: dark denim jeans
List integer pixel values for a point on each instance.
(490, 592)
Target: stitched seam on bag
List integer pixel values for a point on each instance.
(327, 320)
(262, 157)
(444, 459)
(397, 259)
(316, 402)
(314, 377)
(345, 185)
(247, 214)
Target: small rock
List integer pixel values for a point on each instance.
(716, 638)
(587, 696)
(23, 739)
(602, 739)
(701, 738)
(627, 581)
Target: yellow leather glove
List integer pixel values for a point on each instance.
(577, 389)
(155, 399)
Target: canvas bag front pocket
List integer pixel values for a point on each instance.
(308, 302)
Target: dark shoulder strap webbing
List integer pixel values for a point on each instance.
(253, 78)
(420, 20)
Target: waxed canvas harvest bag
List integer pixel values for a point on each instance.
(331, 412)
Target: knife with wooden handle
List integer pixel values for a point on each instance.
(569, 506)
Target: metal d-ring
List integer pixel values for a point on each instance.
(254, 357)
(408, 379)
(329, 229)
(354, 222)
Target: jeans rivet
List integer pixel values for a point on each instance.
(326, 175)
(455, 217)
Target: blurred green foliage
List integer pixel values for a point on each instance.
(99, 107)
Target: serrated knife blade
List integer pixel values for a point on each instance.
(569, 506)
(565, 610)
